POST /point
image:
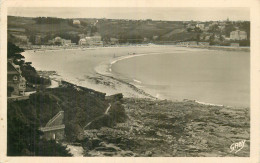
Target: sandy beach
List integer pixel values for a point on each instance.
(92, 67)
(98, 74)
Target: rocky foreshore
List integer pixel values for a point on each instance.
(175, 129)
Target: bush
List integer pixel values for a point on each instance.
(117, 112)
(23, 136)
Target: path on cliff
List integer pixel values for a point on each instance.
(108, 108)
(54, 84)
(106, 112)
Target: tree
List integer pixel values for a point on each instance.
(221, 38)
(28, 71)
(117, 112)
(93, 30)
(189, 29)
(105, 39)
(198, 30)
(48, 20)
(211, 39)
(245, 26)
(198, 37)
(14, 51)
(214, 29)
(9, 90)
(229, 28)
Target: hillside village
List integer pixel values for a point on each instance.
(39, 32)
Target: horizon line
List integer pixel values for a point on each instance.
(120, 18)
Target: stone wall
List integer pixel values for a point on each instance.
(54, 134)
(54, 129)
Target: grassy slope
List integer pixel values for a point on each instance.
(30, 25)
(167, 30)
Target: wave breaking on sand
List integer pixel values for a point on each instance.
(105, 69)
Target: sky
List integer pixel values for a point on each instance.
(171, 14)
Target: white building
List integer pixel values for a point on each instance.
(66, 42)
(82, 42)
(57, 39)
(114, 40)
(206, 28)
(203, 43)
(238, 35)
(155, 37)
(207, 37)
(94, 41)
(91, 41)
(76, 22)
(60, 41)
(200, 26)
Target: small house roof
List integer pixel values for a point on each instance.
(11, 69)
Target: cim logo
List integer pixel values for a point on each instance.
(237, 146)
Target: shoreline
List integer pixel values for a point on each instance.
(224, 48)
(59, 48)
(104, 70)
(210, 47)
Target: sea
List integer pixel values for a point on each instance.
(166, 72)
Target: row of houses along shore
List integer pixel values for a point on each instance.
(96, 41)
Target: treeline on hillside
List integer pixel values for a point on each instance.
(127, 31)
(44, 40)
(73, 35)
(130, 38)
(29, 72)
(48, 20)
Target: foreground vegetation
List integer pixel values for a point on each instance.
(172, 129)
(80, 106)
(23, 121)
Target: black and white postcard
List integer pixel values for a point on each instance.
(130, 81)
